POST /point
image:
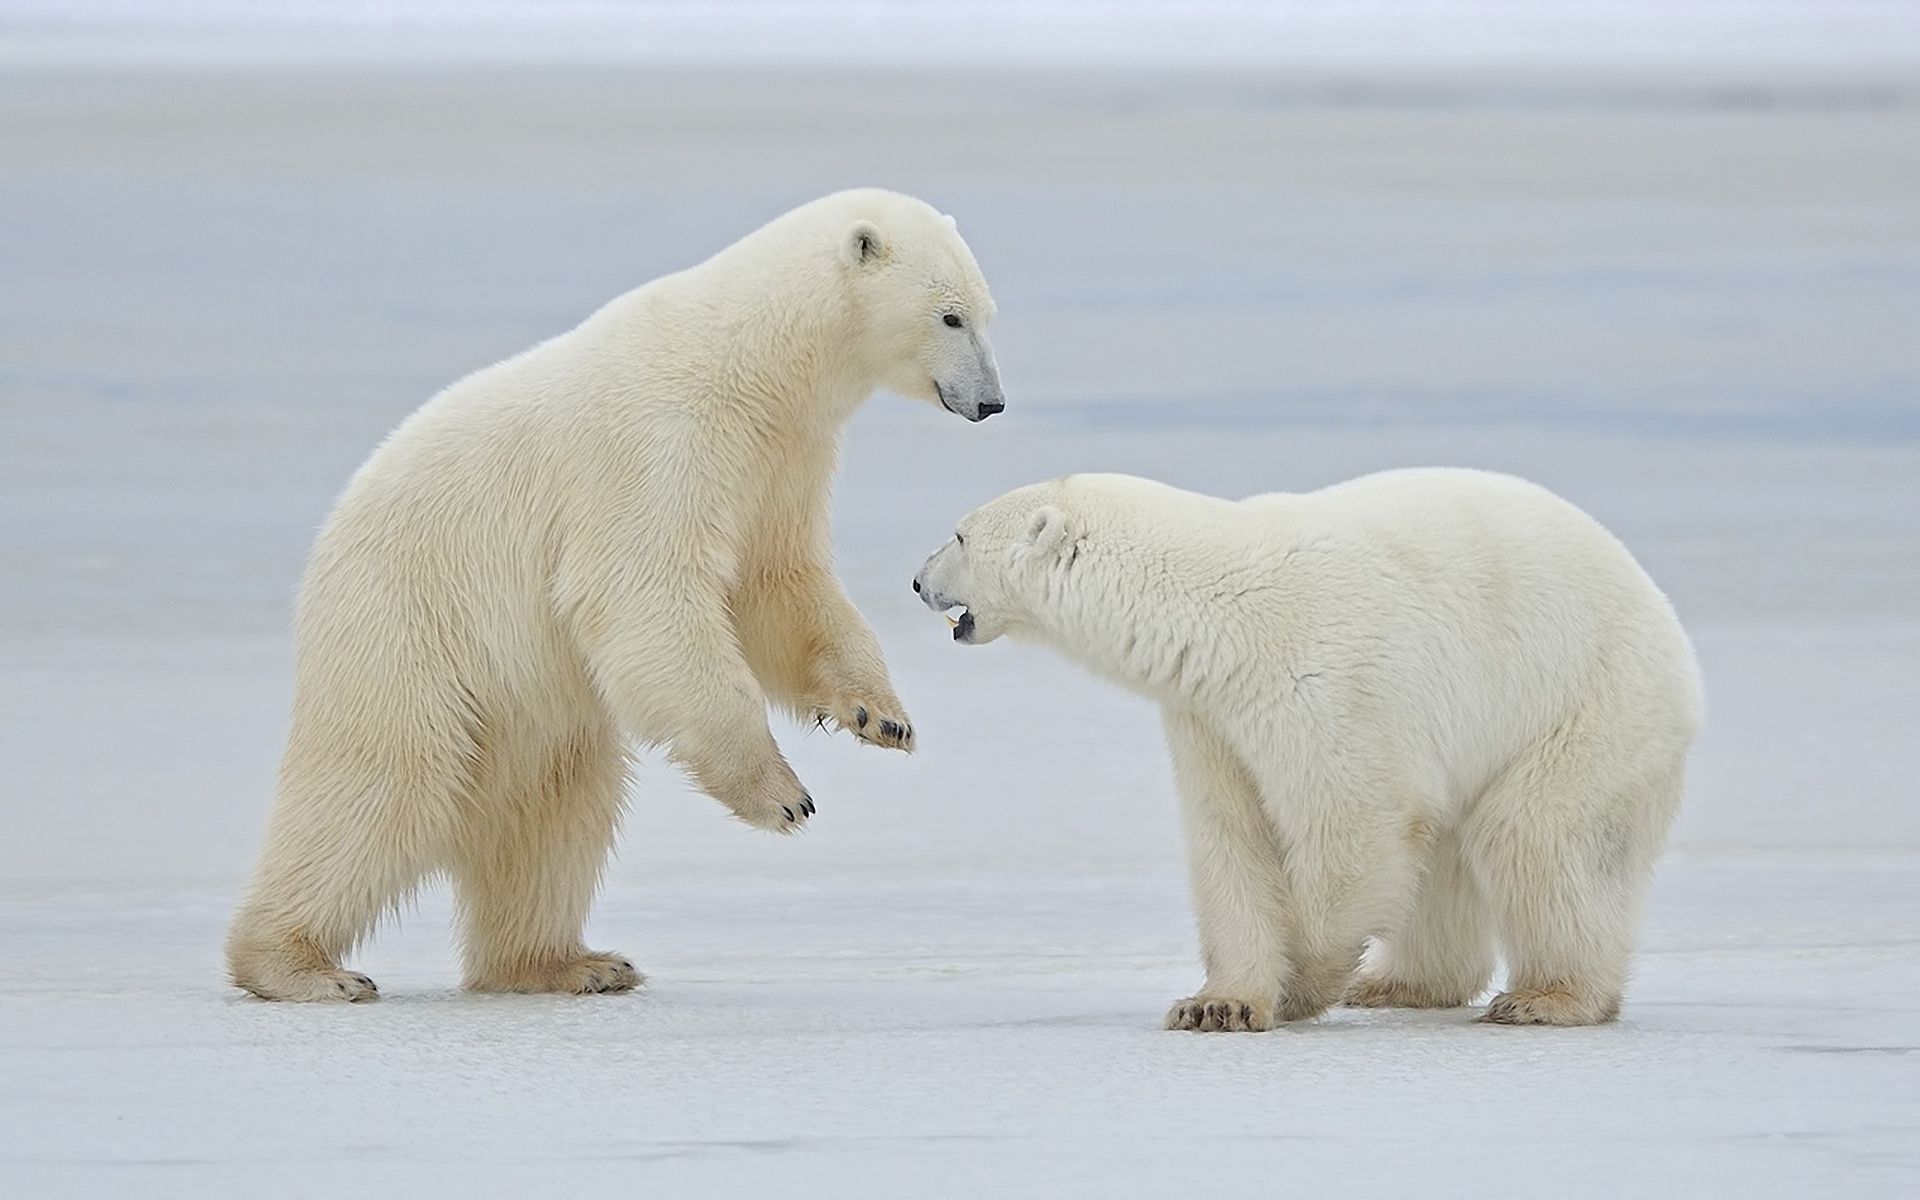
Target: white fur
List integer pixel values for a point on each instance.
(1441, 709)
(618, 535)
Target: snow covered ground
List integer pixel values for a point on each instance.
(962, 1033)
(1695, 316)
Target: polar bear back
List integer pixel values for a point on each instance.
(1444, 617)
(1474, 611)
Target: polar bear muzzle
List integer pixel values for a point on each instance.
(941, 583)
(976, 412)
(968, 384)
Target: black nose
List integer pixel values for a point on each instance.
(990, 407)
(916, 587)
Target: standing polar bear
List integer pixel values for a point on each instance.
(1441, 709)
(621, 534)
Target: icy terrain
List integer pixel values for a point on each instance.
(1697, 318)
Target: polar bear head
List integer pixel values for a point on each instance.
(1072, 562)
(1003, 564)
(921, 304)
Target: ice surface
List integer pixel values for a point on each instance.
(963, 1035)
(1698, 320)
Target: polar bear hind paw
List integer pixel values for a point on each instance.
(1559, 1005)
(321, 986)
(595, 974)
(585, 974)
(1373, 992)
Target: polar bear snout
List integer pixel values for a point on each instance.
(975, 403)
(934, 598)
(942, 586)
(934, 581)
(967, 380)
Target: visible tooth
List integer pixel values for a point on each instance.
(951, 623)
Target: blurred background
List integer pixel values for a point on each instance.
(1661, 257)
(1664, 258)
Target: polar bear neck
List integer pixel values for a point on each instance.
(1108, 601)
(790, 338)
(767, 337)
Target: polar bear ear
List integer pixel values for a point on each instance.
(863, 244)
(1046, 531)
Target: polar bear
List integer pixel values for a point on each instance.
(620, 536)
(1442, 709)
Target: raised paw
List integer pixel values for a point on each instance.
(873, 721)
(771, 798)
(1221, 1014)
(1551, 1006)
(584, 974)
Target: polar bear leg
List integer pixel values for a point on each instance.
(817, 657)
(1341, 887)
(346, 844)
(1238, 893)
(526, 872)
(1564, 850)
(1353, 849)
(1442, 956)
(668, 668)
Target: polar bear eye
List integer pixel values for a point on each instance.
(957, 539)
(952, 320)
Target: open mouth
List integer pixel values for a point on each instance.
(962, 625)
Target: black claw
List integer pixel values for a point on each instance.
(788, 811)
(889, 729)
(806, 805)
(860, 718)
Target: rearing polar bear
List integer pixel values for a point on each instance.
(619, 534)
(1443, 709)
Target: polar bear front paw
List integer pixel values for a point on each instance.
(1221, 1014)
(771, 798)
(873, 721)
